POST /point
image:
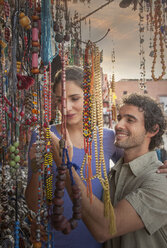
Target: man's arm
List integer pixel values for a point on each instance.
(127, 220)
(31, 192)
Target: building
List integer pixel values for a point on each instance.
(155, 89)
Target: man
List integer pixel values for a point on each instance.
(138, 193)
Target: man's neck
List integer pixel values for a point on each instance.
(133, 154)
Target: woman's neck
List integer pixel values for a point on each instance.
(76, 135)
(75, 128)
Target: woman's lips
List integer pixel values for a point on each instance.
(69, 116)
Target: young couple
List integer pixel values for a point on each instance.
(138, 192)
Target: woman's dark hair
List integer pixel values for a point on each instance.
(73, 73)
(153, 114)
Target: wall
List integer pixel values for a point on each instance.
(154, 89)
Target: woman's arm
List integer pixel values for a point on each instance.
(163, 168)
(31, 192)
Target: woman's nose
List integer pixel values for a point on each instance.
(69, 105)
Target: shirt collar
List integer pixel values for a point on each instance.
(139, 164)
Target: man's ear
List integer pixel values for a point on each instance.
(154, 131)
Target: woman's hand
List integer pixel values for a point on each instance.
(56, 148)
(32, 152)
(163, 168)
(34, 228)
(33, 161)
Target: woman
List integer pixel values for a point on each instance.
(79, 237)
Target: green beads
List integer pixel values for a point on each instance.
(17, 151)
(16, 144)
(12, 163)
(15, 158)
(12, 155)
(12, 148)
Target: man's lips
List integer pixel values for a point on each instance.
(121, 134)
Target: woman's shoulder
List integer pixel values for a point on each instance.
(108, 132)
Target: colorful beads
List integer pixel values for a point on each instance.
(48, 159)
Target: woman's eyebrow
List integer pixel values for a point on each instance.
(58, 97)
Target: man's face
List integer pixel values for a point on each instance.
(130, 130)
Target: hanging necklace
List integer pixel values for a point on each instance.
(114, 110)
(142, 81)
(157, 32)
(59, 221)
(87, 121)
(97, 122)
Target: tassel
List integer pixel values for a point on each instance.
(109, 212)
(24, 82)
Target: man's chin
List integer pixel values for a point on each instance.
(119, 144)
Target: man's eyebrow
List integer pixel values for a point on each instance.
(127, 115)
(131, 116)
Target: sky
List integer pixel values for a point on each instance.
(123, 37)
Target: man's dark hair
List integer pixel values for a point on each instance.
(73, 73)
(153, 114)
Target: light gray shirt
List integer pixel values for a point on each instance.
(146, 191)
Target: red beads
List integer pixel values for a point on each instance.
(35, 44)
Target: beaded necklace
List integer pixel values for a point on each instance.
(114, 97)
(35, 43)
(59, 221)
(142, 81)
(48, 164)
(97, 119)
(87, 120)
(108, 209)
(157, 32)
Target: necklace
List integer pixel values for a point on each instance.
(59, 221)
(157, 32)
(97, 124)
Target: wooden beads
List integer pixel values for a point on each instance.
(59, 221)
(158, 24)
(24, 21)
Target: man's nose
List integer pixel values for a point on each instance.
(120, 124)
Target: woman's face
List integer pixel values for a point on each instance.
(74, 95)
